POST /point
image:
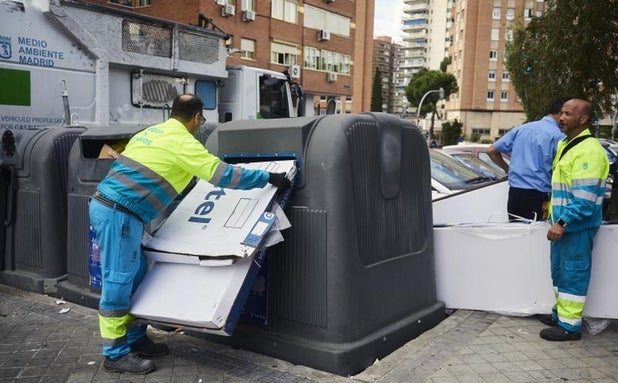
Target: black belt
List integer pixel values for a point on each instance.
(111, 204)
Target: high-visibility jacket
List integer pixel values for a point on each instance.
(578, 184)
(160, 161)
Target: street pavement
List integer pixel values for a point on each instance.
(40, 341)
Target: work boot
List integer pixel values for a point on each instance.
(129, 363)
(547, 320)
(149, 349)
(558, 334)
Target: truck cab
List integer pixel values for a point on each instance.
(255, 93)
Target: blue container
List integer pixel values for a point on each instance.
(94, 259)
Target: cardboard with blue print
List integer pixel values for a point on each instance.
(208, 252)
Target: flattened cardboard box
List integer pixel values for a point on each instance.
(205, 255)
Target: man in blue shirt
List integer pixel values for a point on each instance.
(531, 147)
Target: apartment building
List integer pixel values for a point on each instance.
(425, 42)
(385, 58)
(326, 45)
(486, 103)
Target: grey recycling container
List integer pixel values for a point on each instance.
(33, 178)
(87, 167)
(354, 279)
(86, 170)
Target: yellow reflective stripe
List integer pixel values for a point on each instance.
(114, 327)
(570, 308)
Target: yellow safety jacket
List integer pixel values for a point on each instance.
(578, 184)
(160, 161)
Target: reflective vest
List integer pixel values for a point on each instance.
(578, 184)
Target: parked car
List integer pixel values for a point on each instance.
(449, 176)
(469, 159)
(479, 150)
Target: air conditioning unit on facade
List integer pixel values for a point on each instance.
(220, 2)
(248, 15)
(228, 10)
(323, 35)
(332, 77)
(294, 71)
(329, 1)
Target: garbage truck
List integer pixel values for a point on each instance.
(67, 62)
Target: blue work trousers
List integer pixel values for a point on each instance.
(123, 266)
(571, 258)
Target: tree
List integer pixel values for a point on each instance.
(426, 80)
(571, 50)
(450, 132)
(376, 92)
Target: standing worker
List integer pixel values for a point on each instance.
(578, 184)
(532, 147)
(157, 164)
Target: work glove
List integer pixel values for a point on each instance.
(279, 180)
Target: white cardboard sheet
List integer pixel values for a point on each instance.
(215, 222)
(505, 268)
(185, 294)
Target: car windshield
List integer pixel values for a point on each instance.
(452, 173)
(479, 165)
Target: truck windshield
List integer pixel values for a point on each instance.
(273, 98)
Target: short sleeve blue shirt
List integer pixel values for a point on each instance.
(532, 148)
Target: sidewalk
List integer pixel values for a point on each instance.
(40, 344)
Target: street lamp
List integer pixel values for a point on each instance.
(420, 104)
(418, 111)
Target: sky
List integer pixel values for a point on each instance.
(388, 19)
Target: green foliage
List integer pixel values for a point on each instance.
(450, 132)
(571, 50)
(445, 63)
(376, 92)
(425, 80)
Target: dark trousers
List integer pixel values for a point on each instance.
(525, 203)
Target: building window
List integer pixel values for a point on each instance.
(491, 76)
(324, 60)
(490, 95)
(480, 131)
(493, 55)
(247, 5)
(318, 18)
(283, 54)
(504, 96)
(506, 77)
(248, 49)
(510, 14)
(496, 14)
(495, 34)
(508, 35)
(502, 132)
(527, 14)
(284, 10)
